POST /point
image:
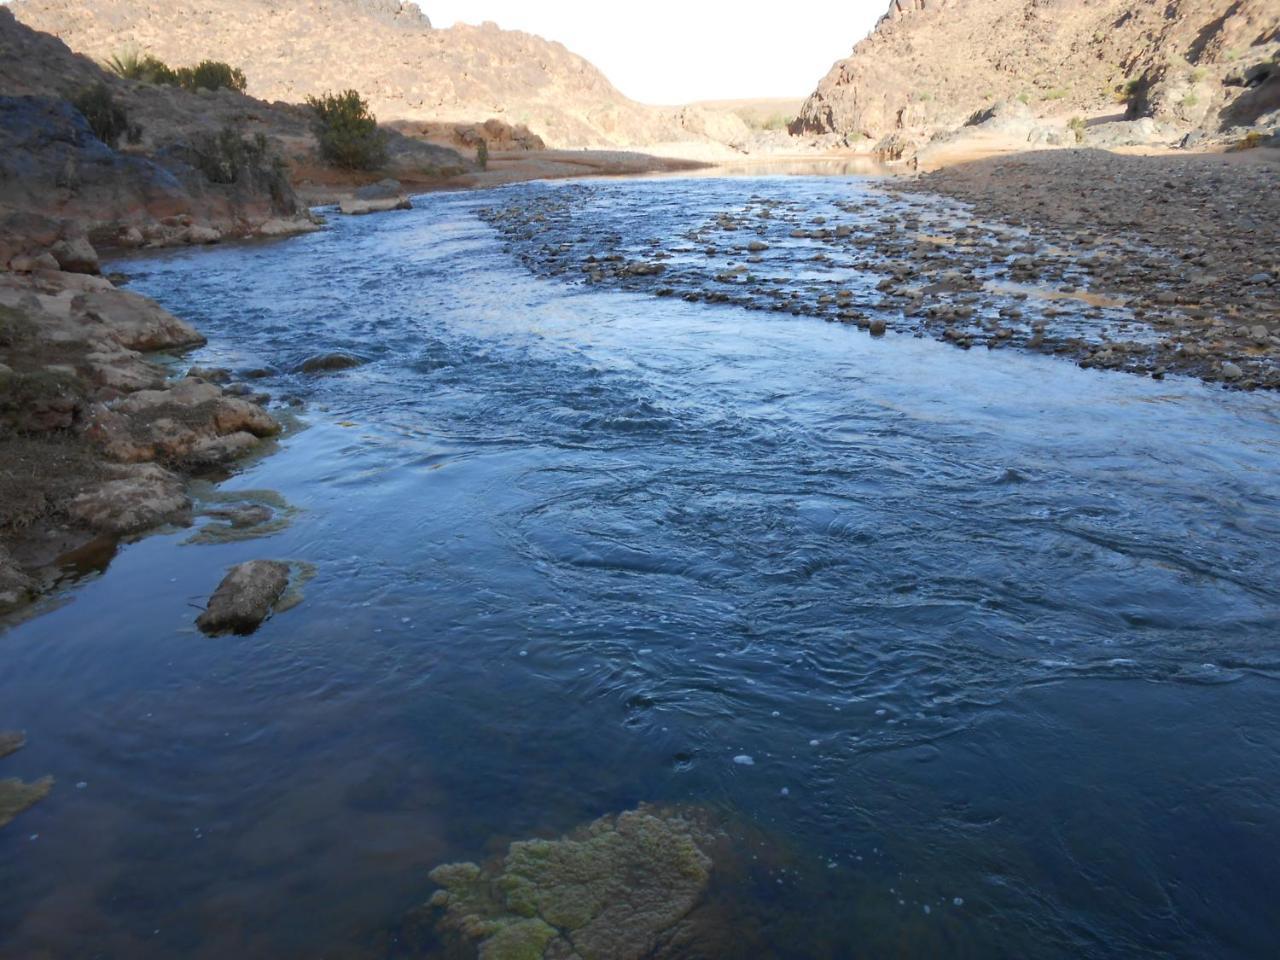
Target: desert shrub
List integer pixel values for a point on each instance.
(108, 119)
(482, 154)
(1076, 126)
(922, 96)
(1190, 100)
(1055, 94)
(347, 132)
(1198, 74)
(1024, 97)
(212, 75)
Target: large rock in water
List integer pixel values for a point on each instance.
(615, 889)
(376, 198)
(246, 597)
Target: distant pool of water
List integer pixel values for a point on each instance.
(1001, 635)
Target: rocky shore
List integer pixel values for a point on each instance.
(96, 439)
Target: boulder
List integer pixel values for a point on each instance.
(245, 597)
(16, 796)
(894, 148)
(76, 256)
(330, 362)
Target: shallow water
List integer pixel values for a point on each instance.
(1001, 635)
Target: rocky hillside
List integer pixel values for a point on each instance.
(290, 49)
(930, 64)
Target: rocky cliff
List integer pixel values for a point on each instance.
(290, 49)
(930, 64)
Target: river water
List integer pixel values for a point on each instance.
(1000, 636)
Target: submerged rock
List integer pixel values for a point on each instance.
(245, 597)
(330, 362)
(619, 888)
(16, 796)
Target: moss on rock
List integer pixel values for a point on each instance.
(16, 796)
(616, 888)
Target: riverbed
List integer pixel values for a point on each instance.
(980, 649)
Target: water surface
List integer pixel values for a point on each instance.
(1000, 635)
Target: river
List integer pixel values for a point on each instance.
(1000, 636)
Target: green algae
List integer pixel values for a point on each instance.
(616, 888)
(239, 515)
(16, 796)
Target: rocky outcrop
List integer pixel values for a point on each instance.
(61, 184)
(930, 64)
(245, 597)
(408, 71)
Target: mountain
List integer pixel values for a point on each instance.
(931, 64)
(290, 49)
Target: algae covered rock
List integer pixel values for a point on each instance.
(618, 888)
(16, 796)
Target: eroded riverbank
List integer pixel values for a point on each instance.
(896, 609)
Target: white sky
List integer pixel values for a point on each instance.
(674, 51)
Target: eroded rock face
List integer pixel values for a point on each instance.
(616, 889)
(930, 64)
(385, 49)
(245, 597)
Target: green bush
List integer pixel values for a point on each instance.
(1056, 94)
(347, 132)
(1190, 100)
(108, 119)
(229, 157)
(1076, 126)
(212, 75)
(482, 154)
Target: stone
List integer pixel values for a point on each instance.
(877, 327)
(16, 590)
(140, 497)
(1231, 371)
(376, 198)
(76, 256)
(245, 597)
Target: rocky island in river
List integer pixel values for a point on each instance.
(451, 508)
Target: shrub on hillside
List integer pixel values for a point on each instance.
(347, 132)
(206, 75)
(108, 119)
(212, 75)
(482, 154)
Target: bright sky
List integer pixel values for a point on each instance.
(674, 51)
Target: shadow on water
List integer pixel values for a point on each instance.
(997, 634)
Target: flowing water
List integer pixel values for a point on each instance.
(1000, 636)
